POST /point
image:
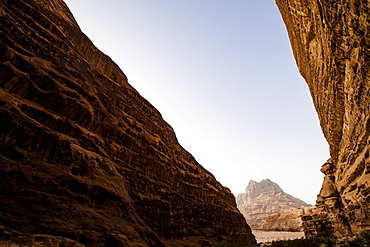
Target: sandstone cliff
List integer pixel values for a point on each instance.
(289, 220)
(84, 159)
(266, 199)
(330, 40)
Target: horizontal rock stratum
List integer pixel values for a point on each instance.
(84, 159)
(331, 44)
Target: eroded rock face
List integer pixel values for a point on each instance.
(330, 41)
(83, 156)
(289, 220)
(266, 199)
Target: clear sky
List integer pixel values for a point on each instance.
(223, 76)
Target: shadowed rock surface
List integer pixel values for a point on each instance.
(83, 157)
(331, 44)
(266, 199)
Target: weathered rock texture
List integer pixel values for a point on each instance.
(289, 220)
(83, 156)
(266, 199)
(330, 41)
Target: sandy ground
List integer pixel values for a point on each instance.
(269, 236)
(261, 237)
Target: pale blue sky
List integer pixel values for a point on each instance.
(223, 76)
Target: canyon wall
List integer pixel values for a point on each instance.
(84, 159)
(330, 41)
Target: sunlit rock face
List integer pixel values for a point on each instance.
(84, 159)
(265, 202)
(330, 40)
(289, 220)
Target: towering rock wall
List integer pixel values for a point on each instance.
(331, 44)
(85, 159)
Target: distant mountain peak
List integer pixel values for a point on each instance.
(265, 198)
(266, 186)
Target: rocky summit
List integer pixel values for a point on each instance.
(84, 159)
(267, 207)
(331, 44)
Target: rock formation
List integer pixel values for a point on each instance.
(331, 45)
(84, 159)
(266, 199)
(289, 220)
